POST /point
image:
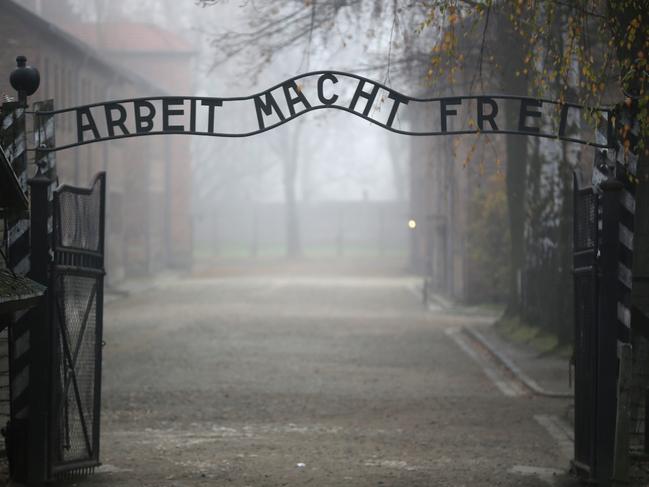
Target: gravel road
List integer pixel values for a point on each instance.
(330, 381)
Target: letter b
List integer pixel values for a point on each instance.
(143, 123)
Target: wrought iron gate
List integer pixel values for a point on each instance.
(596, 273)
(585, 355)
(77, 304)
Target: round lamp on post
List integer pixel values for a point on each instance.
(24, 79)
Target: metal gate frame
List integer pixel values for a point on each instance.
(78, 258)
(595, 260)
(586, 211)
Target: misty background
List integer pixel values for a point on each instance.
(326, 184)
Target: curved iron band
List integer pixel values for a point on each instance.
(344, 109)
(608, 111)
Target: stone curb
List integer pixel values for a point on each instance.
(530, 383)
(443, 303)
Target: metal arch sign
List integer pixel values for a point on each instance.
(370, 100)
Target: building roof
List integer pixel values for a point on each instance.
(18, 292)
(74, 43)
(132, 37)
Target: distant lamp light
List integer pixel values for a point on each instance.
(412, 224)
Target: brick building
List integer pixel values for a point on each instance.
(165, 61)
(148, 218)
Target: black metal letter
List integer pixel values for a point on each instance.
(292, 101)
(211, 103)
(143, 123)
(490, 117)
(168, 112)
(398, 100)
(91, 125)
(192, 115)
(326, 77)
(267, 107)
(525, 112)
(445, 113)
(368, 96)
(111, 123)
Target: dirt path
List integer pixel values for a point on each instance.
(276, 381)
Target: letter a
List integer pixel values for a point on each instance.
(83, 127)
(292, 101)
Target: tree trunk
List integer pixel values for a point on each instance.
(293, 244)
(290, 169)
(564, 292)
(511, 58)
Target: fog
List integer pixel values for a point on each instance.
(343, 181)
(338, 241)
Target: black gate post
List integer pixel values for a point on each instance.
(607, 363)
(29, 452)
(585, 232)
(40, 330)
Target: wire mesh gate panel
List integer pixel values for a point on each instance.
(585, 285)
(77, 304)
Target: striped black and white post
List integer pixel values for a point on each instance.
(626, 171)
(633, 299)
(619, 163)
(622, 164)
(13, 137)
(28, 369)
(14, 140)
(623, 159)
